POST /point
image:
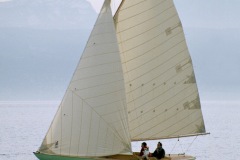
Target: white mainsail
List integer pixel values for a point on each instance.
(161, 91)
(92, 118)
(134, 81)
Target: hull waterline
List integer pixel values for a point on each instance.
(42, 156)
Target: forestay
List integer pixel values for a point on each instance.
(161, 91)
(92, 118)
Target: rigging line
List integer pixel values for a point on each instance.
(170, 78)
(148, 9)
(190, 144)
(173, 147)
(180, 145)
(108, 125)
(162, 113)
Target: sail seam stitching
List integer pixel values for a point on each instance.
(157, 75)
(178, 122)
(148, 41)
(88, 77)
(103, 84)
(164, 120)
(86, 57)
(165, 100)
(189, 124)
(159, 55)
(148, 9)
(114, 62)
(109, 126)
(138, 24)
(132, 5)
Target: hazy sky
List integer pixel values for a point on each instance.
(200, 13)
(212, 30)
(97, 4)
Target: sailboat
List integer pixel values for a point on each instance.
(134, 82)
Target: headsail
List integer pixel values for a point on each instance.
(92, 118)
(161, 91)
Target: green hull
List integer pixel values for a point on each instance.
(41, 156)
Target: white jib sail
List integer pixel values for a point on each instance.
(92, 118)
(161, 91)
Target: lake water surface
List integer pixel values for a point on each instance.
(23, 126)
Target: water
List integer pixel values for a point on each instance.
(23, 126)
